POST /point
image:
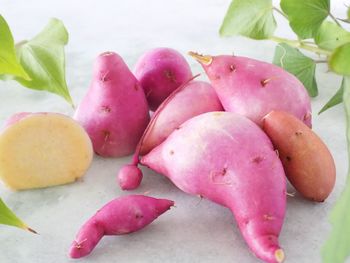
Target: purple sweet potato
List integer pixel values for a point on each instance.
(189, 100)
(161, 71)
(114, 112)
(121, 216)
(253, 88)
(228, 159)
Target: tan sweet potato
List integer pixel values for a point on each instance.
(307, 161)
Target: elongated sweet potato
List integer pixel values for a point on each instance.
(228, 159)
(253, 88)
(307, 161)
(120, 216)
(189, 100)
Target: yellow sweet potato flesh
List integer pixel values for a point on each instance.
(43, 150)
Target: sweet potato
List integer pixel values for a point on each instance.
(43, 149)
(121, 216)
(253, 88)
(193, 98)
(161, 71)
(307, 161)
(129, 177)
(114, 112)
(189, 100)
(228, 159)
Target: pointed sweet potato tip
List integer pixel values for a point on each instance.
(203, 59)
(279, 255)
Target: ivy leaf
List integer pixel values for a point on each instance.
(339, 61)
(330, 36)
(301, 66)
(9, 63)
(7, 217)
(250, 18)
(336, 99)
(337, 246)
(305, 16)
(43, 59)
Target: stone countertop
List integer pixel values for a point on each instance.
(196, 230)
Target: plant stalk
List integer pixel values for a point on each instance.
(335, 20)
(300, 44)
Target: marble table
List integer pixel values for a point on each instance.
(196, 230)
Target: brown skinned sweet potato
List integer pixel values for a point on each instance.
(307, 161)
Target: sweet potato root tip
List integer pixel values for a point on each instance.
(279, 255)
(203, 59)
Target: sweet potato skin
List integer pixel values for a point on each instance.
(253, 88)
(161, 71)
(307, 161)
(194, 98)
(120, 216)
(114, 112)
(228, 159)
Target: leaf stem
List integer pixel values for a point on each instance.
(280, 12)
(344, 20)
(300, 44)
(320, 61)
(309, 42)
(334, 19)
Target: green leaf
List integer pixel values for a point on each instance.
(44, 60)
(305, 16)
(339, 61)
(301, 66)
(330, 36)
(250, 18)
(7, 217)
(336, 99)
(337, 246)
(8, 60)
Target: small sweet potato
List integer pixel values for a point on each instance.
(307, 161)
(120, 216)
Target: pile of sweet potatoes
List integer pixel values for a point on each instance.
(234, 141)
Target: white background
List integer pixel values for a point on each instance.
(194, 231)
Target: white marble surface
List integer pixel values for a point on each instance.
(194, 231)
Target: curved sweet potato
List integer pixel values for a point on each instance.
(189, 100)
(228, 159)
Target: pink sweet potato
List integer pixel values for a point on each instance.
(253, 88)
(121, 216)
(194, 98)
(114, 112)
(228, 159)
(161, 71)
(307, 161)
(189, 100)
